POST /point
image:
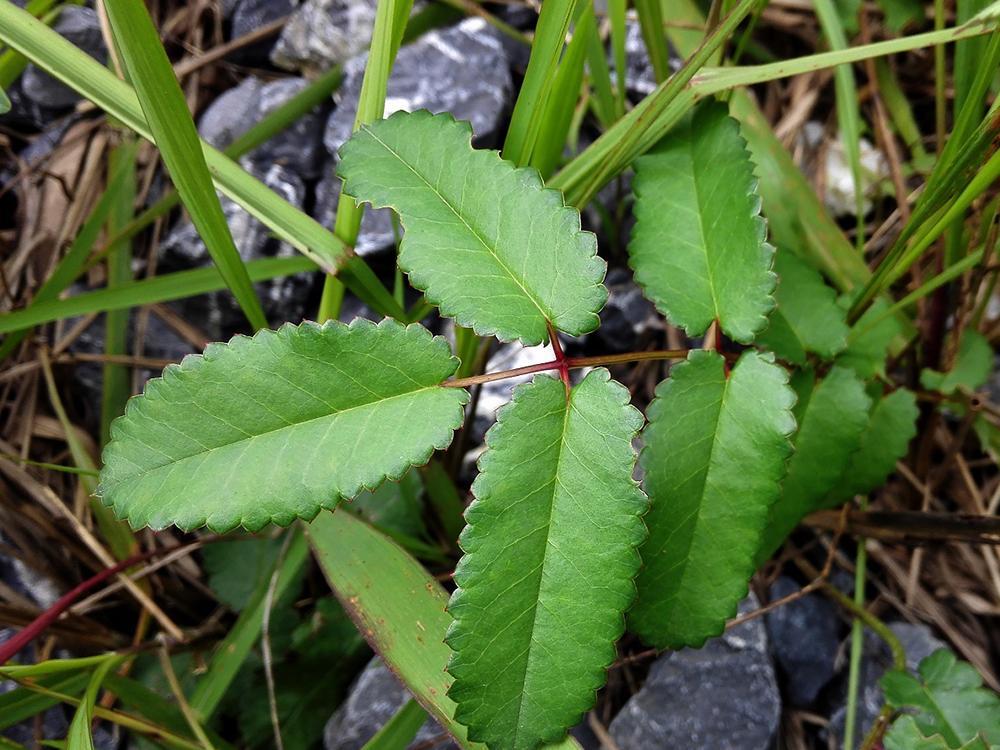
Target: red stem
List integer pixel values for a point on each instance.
(563, 363)
(10, 648)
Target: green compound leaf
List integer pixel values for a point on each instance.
(891, 426)
(484, 241)
(832, 417)
(698, 245)
(949, 699)
(807, 318)
(714, 457)
(275, 427)
(550, 554)
(904, 734)
(971, 369)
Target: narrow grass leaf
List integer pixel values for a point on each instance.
(807, 319)
(177, 139)
(79, 736)
(651, 24)
(116, 386)
(550, 553)
(526, 121)
(505, 258)
(714, 455)
(832, 417)
(276, 427)
(171, 286)
(698, 247)
(396, 604)
(399, 731)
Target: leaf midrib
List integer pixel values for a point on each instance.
(683, 567)
(294, 425)
(701, 221)
(545, 556)
(493, 252)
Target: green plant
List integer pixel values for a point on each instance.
(279, 426)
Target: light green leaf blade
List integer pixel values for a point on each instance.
(971, 369)
(79, 736)
(807, 318)
(832, 416)
(891, 426)
(177, 139)
(550, 553)
(275, 427)
(949, 698)
(904, 734)
(715, 452)
(484, 241)
(698, 247)
(4, 102)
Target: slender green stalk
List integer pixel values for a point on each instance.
(651, 24)
(387, 35)
(400, 730)
(116, 383)
(616, 14)
(857, 643)
(848, 116)
(176, 137)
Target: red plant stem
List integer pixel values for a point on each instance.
(10, 648)
(560, 357)
(570, 363)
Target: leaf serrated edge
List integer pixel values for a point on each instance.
(482, 464)
(587, 241)
(767, 250)
(791, 428)
(192, 363)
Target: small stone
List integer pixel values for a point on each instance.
(250, 15)
(838, 179)
(639, 76)
(80, 26)
(283, 299)
(805, 637)
(298, 147)
(628, 315)
(918, 642)
(373, 699)
(378, 232)
(723, 696)
(462, 70)
(324, 33)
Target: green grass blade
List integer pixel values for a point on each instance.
(527, 120)
(605, 104)
(233, 650)
(22, 703)
(273, 123)
(616, 14)
(4, 103)
(165, 288)
(79, 737)
(387, 34)
(848, 115)
(176, 137)
(396, 605)
(400, 730)
(116, 387)
(651, 24)
(561, 103)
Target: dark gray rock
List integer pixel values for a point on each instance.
(462, 70)
(628, 315)
(722, 696)
(639, 76)
(80, 26)
(918, 641)
(250, 15)
(26, 114)
(805, 637)
(378, 232)
(373, 699)
(283, 299)
(324, 33)
(298, 147)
